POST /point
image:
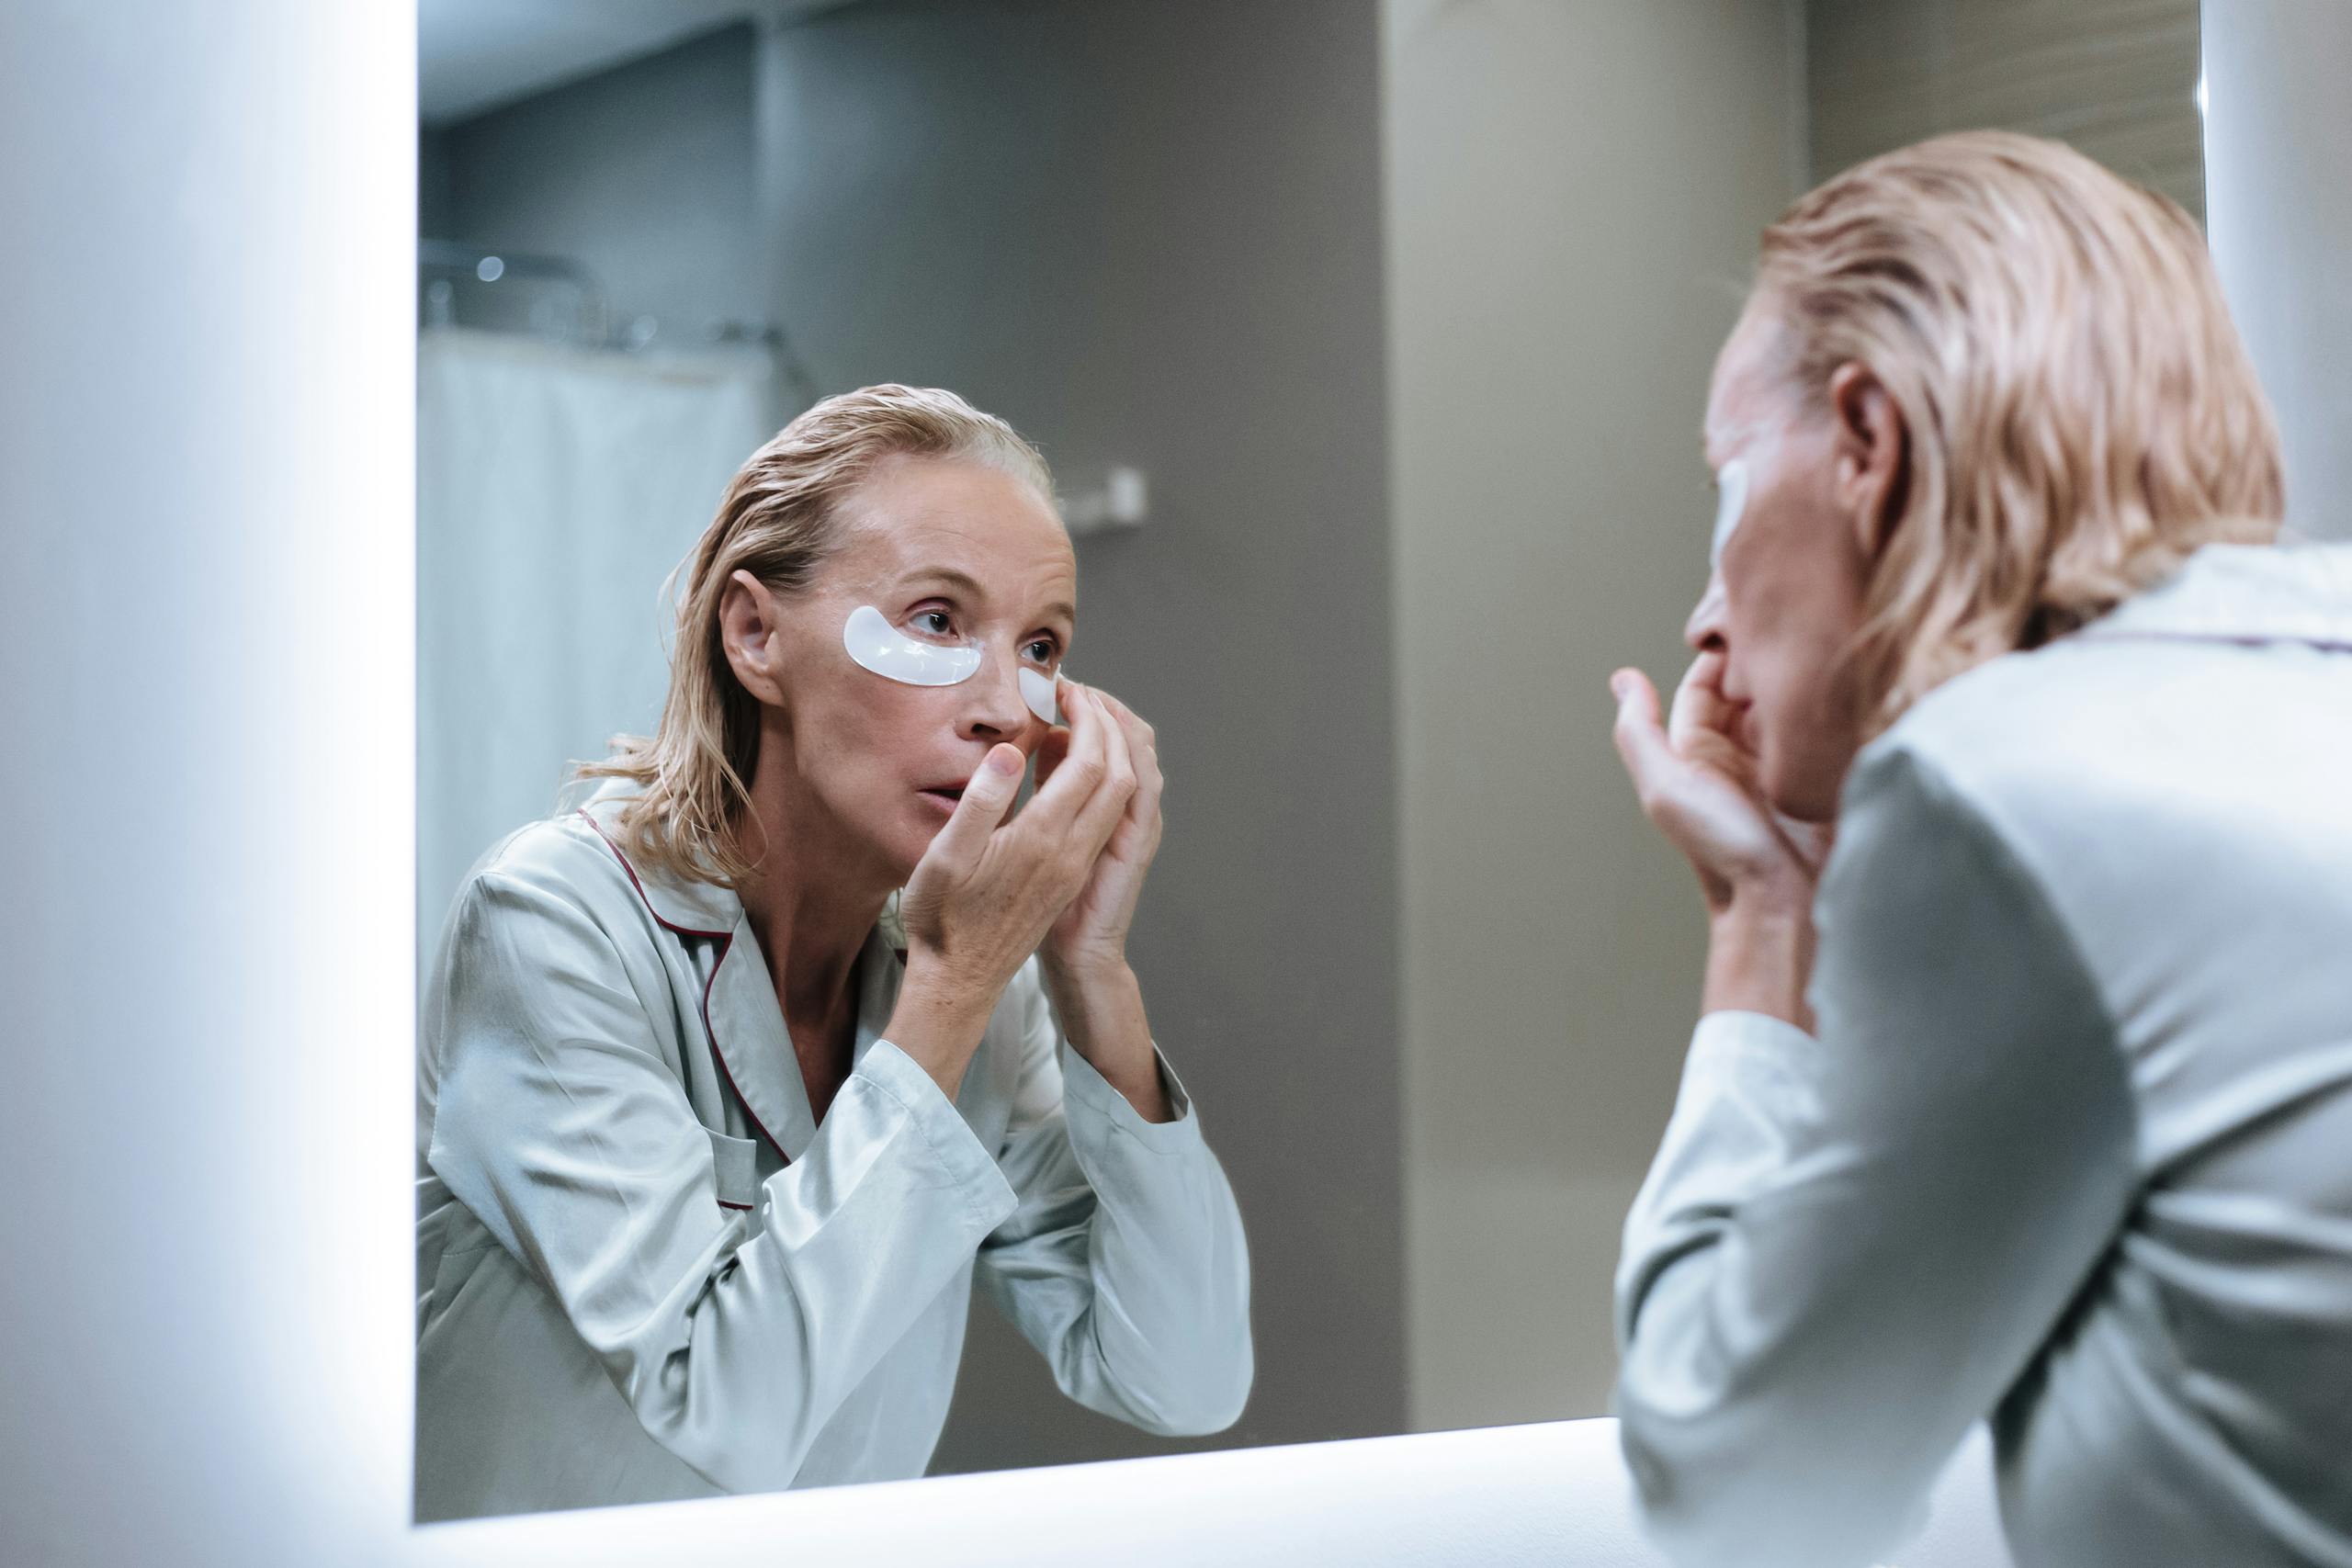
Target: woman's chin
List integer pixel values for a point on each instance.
(1805, 789)
(910, 847)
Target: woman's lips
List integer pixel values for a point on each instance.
(944, 796)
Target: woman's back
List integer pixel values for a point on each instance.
(2176, 780)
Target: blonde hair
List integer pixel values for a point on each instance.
(2081, 413)
(779, 521)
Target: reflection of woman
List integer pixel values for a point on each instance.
(713, 1130)
(2062, 1132)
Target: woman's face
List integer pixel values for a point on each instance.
(1785, 597)
(950, 552)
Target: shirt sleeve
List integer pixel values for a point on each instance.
(1849, 1247)
(561, 1128)
(1125, 1263)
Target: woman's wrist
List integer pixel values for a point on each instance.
(1099, 1004)
(940, 1019)
(1760, 955)
(1090, 970)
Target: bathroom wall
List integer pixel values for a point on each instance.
(642, 173)
(2278, 140)
(2116, 80)
(1573, 193)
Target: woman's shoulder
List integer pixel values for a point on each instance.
(561, 872)
(566, 853)
(2175, 681)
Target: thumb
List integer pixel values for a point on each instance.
(987, 794)
(1640, 740)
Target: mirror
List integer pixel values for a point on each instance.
(1366, 342)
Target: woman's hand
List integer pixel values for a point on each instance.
(1696, 780)
(1090, 937)
(1085, 957)
(985, 891)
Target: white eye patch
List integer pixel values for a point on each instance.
(1037, 690)
(891, 653)
(1731, 504)
(875, 645)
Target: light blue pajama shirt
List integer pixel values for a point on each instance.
(644, 1270)
(2072, 1148)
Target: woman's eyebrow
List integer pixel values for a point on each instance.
(970, 586)
(947, 575)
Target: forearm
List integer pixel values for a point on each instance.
(1100, 1010)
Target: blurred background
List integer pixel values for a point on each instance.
(1403, 311)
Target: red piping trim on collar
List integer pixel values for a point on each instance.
(726, 941)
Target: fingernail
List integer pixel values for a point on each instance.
(1004, 759)
(1617, 685)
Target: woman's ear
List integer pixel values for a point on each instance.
(750, 630)
(1871, 445)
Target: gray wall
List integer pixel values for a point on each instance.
(643, 173)
(1151, 234)
(2278, 140)
(1148, 234)
(2116, 80)
(1575, 193)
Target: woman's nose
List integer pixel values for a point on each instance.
(1706, 629)
(993, 707)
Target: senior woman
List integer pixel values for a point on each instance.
(717, 1126)
(2036, 1105)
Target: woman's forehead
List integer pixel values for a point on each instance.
(1740, 407)
(999, 561)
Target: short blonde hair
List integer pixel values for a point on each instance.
(779, 521)
(2081, 412)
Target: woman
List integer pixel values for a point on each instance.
(715, 1128)
(2038, 1105)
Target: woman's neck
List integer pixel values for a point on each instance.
(810, 904)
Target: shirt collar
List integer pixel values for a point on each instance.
(2249, 594)
(690, 907)
(703, 909)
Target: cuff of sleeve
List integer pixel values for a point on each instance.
(933, 1117)
(1729, 1044)
(1087, 1097)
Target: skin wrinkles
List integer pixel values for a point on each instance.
(865, 785)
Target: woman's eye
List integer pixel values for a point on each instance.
(935, 622)
(1042, 650)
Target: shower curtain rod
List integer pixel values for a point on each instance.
(494, 266)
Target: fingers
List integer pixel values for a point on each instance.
(1100, 813)
(1642, 742)
(1080, 768)
(1143, 745)
(987, 796)
(1699, 700)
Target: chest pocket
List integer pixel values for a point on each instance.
(735, 1171)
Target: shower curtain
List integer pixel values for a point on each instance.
(557, 487)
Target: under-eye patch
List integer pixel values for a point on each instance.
(875, 645)
(891, 653)
(1037, 690)
(1731, 504)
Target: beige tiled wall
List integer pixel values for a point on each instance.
(2115, 78)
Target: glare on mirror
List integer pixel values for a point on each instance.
(1284, 413)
